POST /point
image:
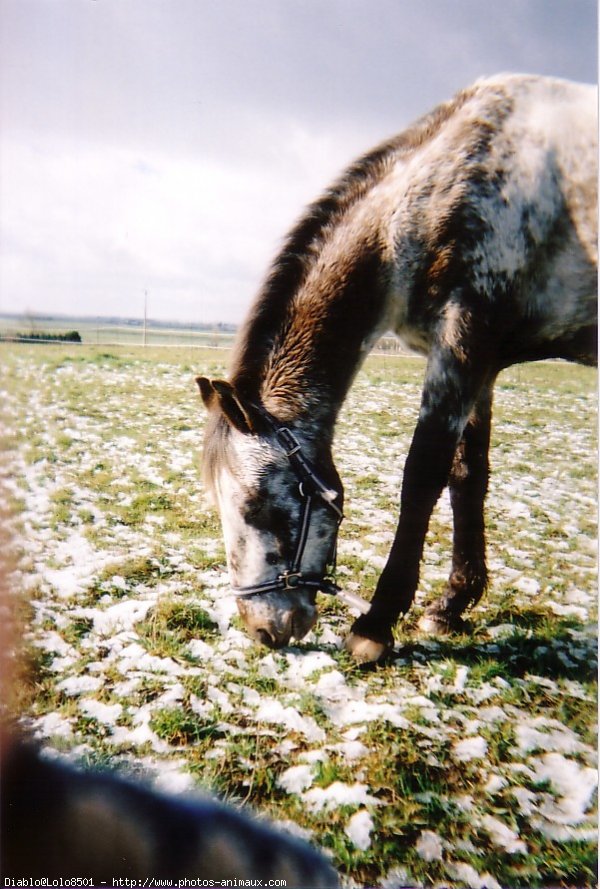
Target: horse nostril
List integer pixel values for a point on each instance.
(265, 637)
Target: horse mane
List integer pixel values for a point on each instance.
(305, 240)
(215, 453)
(301, 248)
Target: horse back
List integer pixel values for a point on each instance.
(496, 218)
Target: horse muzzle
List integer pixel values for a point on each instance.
(275, 618)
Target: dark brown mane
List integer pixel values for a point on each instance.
(305, 240)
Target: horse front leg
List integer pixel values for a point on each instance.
(452, 386)
(425, 475)
(468, 484)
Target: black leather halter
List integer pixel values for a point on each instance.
(310, 487)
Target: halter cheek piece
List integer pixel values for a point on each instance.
(310, 486)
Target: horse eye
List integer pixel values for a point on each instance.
(272, 558)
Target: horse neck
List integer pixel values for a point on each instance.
(323, 332)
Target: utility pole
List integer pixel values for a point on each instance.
(145, 313)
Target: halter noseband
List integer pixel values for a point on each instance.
(310, 486)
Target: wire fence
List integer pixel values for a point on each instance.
(122, 335)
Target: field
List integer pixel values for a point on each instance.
(466, 762)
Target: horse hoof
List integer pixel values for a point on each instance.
(440, 625)
(365, 651)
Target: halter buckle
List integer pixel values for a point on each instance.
(288, 440)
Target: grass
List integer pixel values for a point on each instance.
(171, 624)
(138, 661)
(181, 727)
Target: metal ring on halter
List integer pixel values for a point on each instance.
(287, 437)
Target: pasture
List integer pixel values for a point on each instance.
(465, 762)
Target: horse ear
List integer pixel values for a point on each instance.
(206, 391)
(222, 394)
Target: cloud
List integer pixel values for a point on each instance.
(96, 226)
(168, 146)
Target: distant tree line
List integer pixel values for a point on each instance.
(72, 336)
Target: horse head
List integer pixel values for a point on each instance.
(280, 513)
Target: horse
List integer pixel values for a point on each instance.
(472, 237)
(60, 821)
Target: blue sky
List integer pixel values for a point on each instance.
(167, 145)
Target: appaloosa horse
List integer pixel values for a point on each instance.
(472, 236)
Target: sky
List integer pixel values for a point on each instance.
(160, 149)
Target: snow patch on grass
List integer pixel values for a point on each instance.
(339, 794)
(359, 829)
(574, 785)
(470, 748)
(274, 712)
(296, 779)
(503, 836)
(430, 846)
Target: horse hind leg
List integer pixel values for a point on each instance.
(468, 484)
